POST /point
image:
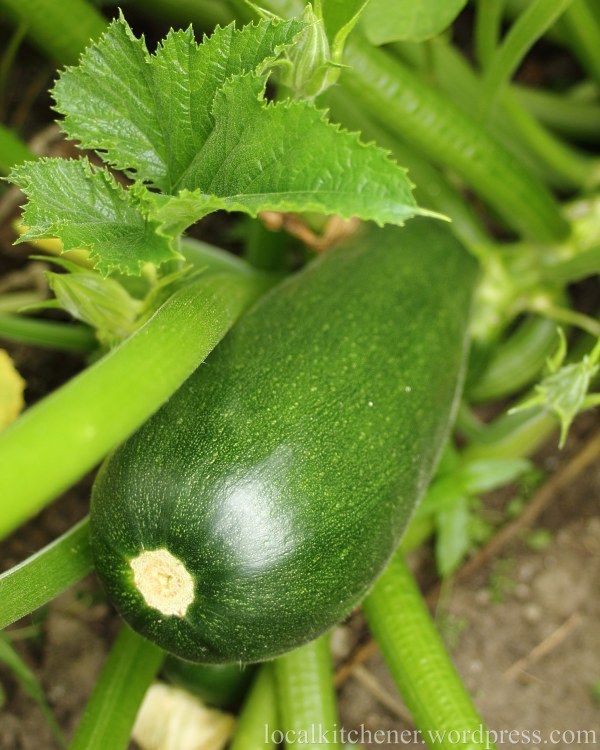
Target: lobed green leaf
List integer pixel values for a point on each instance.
(85, 207)
(191, 126)
(284, 156)
(152, 114)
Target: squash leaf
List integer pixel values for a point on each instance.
(191, 127)
(277, 157)
(407, 20)
(85, 207)
(152, 114)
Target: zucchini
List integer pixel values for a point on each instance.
(221, 685)
(258, 506)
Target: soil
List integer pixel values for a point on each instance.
(524, 635)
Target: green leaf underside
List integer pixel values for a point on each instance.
(151, 114)
(191, 126)
(407, 20)
(85, 207)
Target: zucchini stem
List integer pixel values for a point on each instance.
(46, 574)
(62, 30)
(67, 337)
(417, 659)
(110, 713)
(58, 440)
(306, 696)
(522, 35)
(12, 150)
(258, 720)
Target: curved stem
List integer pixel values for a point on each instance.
(258, 719)
(524, 32)
(488, 19)
(59, 439)
(583, 27)
(70, 337)
(306, 696)
(109, 716)
(13, 302)
(432, 189)
(417, 659)
(575, 169)
(203, 14)
(567, 316)
(41, 577)
(568, 115)
(12, 150)
(430, 122)
(265, 249)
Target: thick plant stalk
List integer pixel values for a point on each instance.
(431, 123)
(579, 120)
(61, 29)
(45, 575)
(411, 646)
(110, 713)
(432, 190)
(306, 697)
(62, 437)
(553, 161)
(258, 719)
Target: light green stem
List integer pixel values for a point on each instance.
(45, 333)
(203, 14)
(57, 441)
(45, 575)
(568, 115)
(417, 659)
(110, 713)
(306, 696)
(258, 719)
(583, 28)
(524, 32)
(488, 19)
(575, 170)
(429, 121)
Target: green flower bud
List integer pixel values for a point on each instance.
(309, 70)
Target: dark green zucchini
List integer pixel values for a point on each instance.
(258, 506)
(221, 685)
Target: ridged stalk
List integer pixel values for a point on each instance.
(58, 440)
(417, 659)
(306, 697)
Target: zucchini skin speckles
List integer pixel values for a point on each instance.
(284, 471)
